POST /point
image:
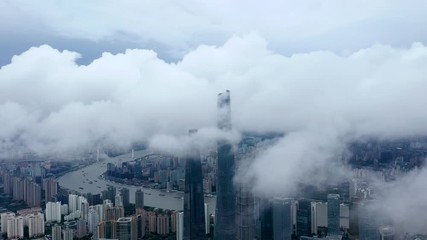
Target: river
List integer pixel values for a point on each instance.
(152, 198)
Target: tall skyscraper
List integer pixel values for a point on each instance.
(266, 218)
(368, 224)
(354, 217)
(333, 214)
(282, 219)
(194, 214)
(319, 216)
(139, 199)
(245, 214)
(125, 196)
(225, 225)
(109, 193)
(304, 218)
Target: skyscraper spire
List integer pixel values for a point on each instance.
(225, 226)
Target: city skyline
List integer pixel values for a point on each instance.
(326, 96)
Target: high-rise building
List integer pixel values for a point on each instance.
(93, 220)
(126, 229)
(140, 224)
(4, 217)
(15, 227)
(334, 214)
(266, 218)
(107, 229)
(53, 212)
(84, 209)
(114, 213)
(304, 218)
(282, 219)
(225, 224)
(81, 228)
(18, 189)
(118, 200)
(125, 196)
(163, 225)
(67, 234)
(180, 226)
(152, 222)
(7, 183)
(207, 219)
(50, 187)
(138, 170)
(139, 199)
(56, 232)
(194, 214)
(35, 224)
(354, 217)
(344, 216)
(368, 225)
(32, 193)
(319, 216)
(245, 214)
(64, 209)
(100, 210)
(93, 199)
(109, 193)
(72, 203)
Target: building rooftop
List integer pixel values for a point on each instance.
(124, 219)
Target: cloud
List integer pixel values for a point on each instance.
(403, 201)
(321, 100)
(175, 27)
(204, 139)
(132, 95)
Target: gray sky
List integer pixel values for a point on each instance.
(174, 28)
(79, 74)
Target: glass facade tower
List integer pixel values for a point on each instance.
(225, 226)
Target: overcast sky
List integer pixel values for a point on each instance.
(173, 28)
(78, 74)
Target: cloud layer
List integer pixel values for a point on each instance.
(174, 28)
(321, 100)
(49, 102)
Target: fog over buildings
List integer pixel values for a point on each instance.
(321, 94)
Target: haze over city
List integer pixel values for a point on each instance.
(81, 76)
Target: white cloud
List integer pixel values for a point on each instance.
(320, 99)
(289, 26)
